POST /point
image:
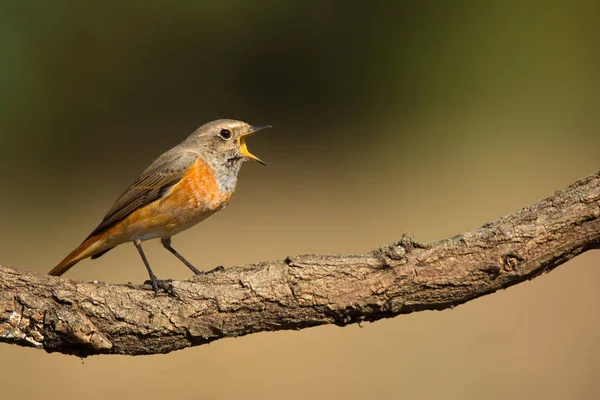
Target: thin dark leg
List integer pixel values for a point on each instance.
(167, 243)
(153, 279)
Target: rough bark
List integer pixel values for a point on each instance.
(82, 318)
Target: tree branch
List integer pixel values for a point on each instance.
(81, 318)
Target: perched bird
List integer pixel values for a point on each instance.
(182, 187)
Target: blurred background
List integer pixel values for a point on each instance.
(423, 117)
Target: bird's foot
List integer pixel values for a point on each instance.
(164, 284)
(219, 268)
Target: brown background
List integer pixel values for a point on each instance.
(428, 118)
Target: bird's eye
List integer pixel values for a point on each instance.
(225, 134)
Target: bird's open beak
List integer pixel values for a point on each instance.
(242, 140)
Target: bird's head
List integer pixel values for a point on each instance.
(225, 140)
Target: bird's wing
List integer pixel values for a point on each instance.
(152, 185)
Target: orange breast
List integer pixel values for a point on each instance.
(193, 199)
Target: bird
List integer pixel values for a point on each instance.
(182, 187)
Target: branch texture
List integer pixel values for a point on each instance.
(81, 318)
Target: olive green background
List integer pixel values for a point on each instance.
(428, 117)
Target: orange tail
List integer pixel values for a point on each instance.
(88, 248)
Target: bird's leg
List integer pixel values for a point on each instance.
(156, 284)
(167, 243)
